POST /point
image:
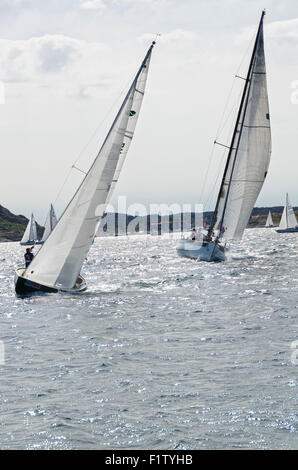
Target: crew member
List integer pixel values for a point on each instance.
(28, 256)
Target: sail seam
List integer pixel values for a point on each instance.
(246, 181)
(256, 127)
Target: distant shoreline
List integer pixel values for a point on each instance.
(13, 226)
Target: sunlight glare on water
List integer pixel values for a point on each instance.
(160, 352)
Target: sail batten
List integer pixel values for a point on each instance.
(59, 261)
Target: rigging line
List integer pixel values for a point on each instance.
(211, 156)
(220, 128)
(206, 174)
(90, 140)
(63, 185)
(102, 121)
(211, 192)
(219, 171)
(232, 111)
(233, 84)
(221, 159)
(223, 121)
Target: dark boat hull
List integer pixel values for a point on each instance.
(31, 243)
(288, 230)
(24, 287)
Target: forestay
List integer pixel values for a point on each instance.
(60, 259)
(250, 151)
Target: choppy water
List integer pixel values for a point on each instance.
(161, 352)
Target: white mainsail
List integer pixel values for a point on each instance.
(288, 218)
(30, 233)
(269, 221)
(50, 223)
(60, 259)
(249, 153)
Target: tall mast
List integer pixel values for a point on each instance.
(59, 261)
(243, 105)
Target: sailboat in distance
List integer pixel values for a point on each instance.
(269, 221)
(246, 165)
(50, 224)
(57, 265)
(288, 222)
(30, 234)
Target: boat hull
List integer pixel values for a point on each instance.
(195, 250)
(288, 230)
(31, 243)
(24, 287)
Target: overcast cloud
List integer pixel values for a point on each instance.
(65, 65)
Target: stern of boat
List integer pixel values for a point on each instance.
(80, 286)
(204, 252)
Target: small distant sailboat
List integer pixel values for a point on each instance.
(288, 222)
(50, 224)
(246, 166)
(57, 265)
(269, 221)
(30, 234)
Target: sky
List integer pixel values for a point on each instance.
(65, 66)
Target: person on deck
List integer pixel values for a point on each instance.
(28, 256)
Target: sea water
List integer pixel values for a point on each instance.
(160, 352)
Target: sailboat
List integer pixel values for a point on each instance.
(50, 224)
(30, 234)
(269, 221)
(57, 265)
(288, 222)
(246, 165)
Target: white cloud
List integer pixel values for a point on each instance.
(101, 4)
(196, 57)
(12, 2)
(25, 59)
(54, 63)
(93, 5)
(277, 30)
(283, 29)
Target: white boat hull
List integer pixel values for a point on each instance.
(194, 249)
